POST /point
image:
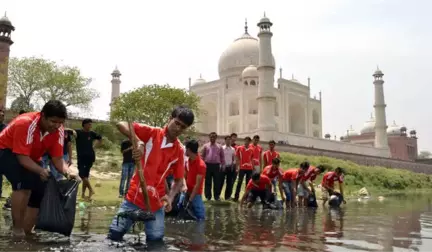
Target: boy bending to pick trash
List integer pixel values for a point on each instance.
(159, 151)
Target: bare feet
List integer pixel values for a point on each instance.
(91, 194)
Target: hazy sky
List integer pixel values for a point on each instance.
(337, 43)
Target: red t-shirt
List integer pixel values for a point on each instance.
(159, 158)
(272, 173)
(23, 136)
(245, 157)
(330, 177)
(291, 174)
(196, 167)
(310, 174)
(262, 184)
(257, 152)
(268, 157)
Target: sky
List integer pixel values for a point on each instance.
(337, 43)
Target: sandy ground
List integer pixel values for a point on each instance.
(99, 175)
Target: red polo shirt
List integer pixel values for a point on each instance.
(272, 173)
(196, 167)
(245, 157)
(268, 157)
(291, 175)
(23, 136)
(158, 159)
(262, 184)
(310, 174)
(257, 152)
(330, 177)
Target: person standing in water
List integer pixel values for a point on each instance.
(327, 184)
(86, 154)
(166, 153)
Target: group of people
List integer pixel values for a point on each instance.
(30, 136)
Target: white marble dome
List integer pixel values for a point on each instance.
(243, 52)
(394, 129)
(368, 126)
(250, 72)
(351, 132)
(199, 81)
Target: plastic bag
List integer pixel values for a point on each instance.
(57, 210)
(312, 201)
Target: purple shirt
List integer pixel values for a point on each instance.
(213, 154)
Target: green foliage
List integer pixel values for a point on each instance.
(374, 178)
(107, 130)
(21, 103)
(37, 80)
(106, 144)
(152, 104)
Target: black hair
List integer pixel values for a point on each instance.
(192, 145)
(276, 161)
(321, 168)
(212, 133)
(184, 114)
(233, 134)
(339, 169)
(256, 137)
(247, 138)
(256, 176)
(22, 111)
(86, 121)
(272, 142)
(54, 108)
(227, 137)
(305, 165)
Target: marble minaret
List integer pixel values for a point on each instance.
(266, 70)
(6, 29)
(381, 140)
(115, 84)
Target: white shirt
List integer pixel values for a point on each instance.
(229, 153)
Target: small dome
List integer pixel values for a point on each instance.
(368, 126)
(199, 81)
(250, 72)
(5, 21)
(394, 129)
(264, 20)
(352, 132)
(116, 72)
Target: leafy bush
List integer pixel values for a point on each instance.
(106, 130)
(106, 144)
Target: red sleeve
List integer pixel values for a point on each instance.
(56, 147)
(202, 169)
(22, 137)
(178, 167)
(143, 131)
(249, 185)
(267, 180)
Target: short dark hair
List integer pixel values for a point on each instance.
(22, 111)
(227, 137)
(339, 169)
(184, 114)
(276, 161)
(212, 133)
(256, 176)
(233, 134)
(192, 145)
(86, 121)
(321, 168)
(247, 138)
(256, 137)
(54, 108)
(304, 165)
(272, 142)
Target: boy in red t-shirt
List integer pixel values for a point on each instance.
(259, 186)
(290, 181)
(159, 150)
(275, 174)
(244, 154)
(195, 180)
(257, 154)
(309, 176)
(22, 145)
(327, 184)
(270, 154)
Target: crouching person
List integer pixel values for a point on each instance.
(159, 151)
(327, 184)
(259, 186)
(290, 182)
(22, 145)
(195, 180)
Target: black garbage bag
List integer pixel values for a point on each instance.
(176, 205)
(335, 200)
(312, 201)
(57, 210)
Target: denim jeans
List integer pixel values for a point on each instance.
(154, 230)
(286, 185)
(54, 172)
(126, 175)
(198, 207)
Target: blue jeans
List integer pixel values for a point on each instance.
(198, 207)
(287, 190)
(126, 175)
(154, 230)
(46, 162)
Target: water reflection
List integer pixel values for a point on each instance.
(402, 224)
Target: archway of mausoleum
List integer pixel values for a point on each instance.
(208, 120)
(234, 108)
(315, 117)
(297, 119)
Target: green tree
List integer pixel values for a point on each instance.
(425, 154)
(21, 103)
(152, 104)
(37, 80)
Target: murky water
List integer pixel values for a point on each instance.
(397, 224)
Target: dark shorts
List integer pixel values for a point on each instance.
(254, 194)
(21, 178)
(85, 163)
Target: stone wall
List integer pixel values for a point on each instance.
(356, 158)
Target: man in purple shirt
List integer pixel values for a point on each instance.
(213, 155)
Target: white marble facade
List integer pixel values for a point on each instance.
(230, 103)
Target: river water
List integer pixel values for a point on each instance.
(396, 224)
